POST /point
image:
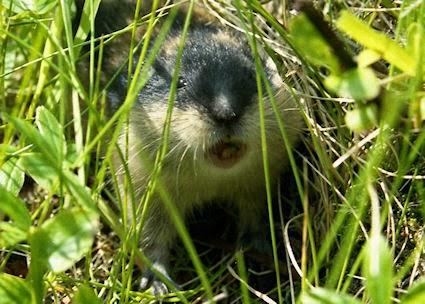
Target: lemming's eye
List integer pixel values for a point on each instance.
(181, 83)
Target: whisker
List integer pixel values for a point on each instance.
(182, 158)
(145, 147)
(203, 145)
(195, 152)
(180, 165)
(174, 148)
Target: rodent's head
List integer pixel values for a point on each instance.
(215, 117)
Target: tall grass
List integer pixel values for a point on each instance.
(346, 223)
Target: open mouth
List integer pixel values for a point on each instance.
(226, 153)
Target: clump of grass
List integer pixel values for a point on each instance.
(349, 230)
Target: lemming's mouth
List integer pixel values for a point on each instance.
(226, 153)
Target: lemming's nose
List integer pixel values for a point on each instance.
(223, 111)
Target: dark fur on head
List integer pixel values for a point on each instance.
(216, 77)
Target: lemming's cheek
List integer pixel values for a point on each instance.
(153, 114)
(250, 121)
(191, 126)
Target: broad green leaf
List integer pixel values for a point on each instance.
(86, 295)
(52, 131)
(358, 83)
(14, 290)
(35, 6)
(46, 176)
(12, 176)
(325, 296)
(415, 294)
(15, 209)
(71, 155)
(379, 42)
(11, 234)
(63, 240)
(367, 57)
(80, 192)
(378, 270)
(34, 137)
(309, 40)
(363, 118)
(36, 165)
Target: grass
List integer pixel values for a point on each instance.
(348, 216)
